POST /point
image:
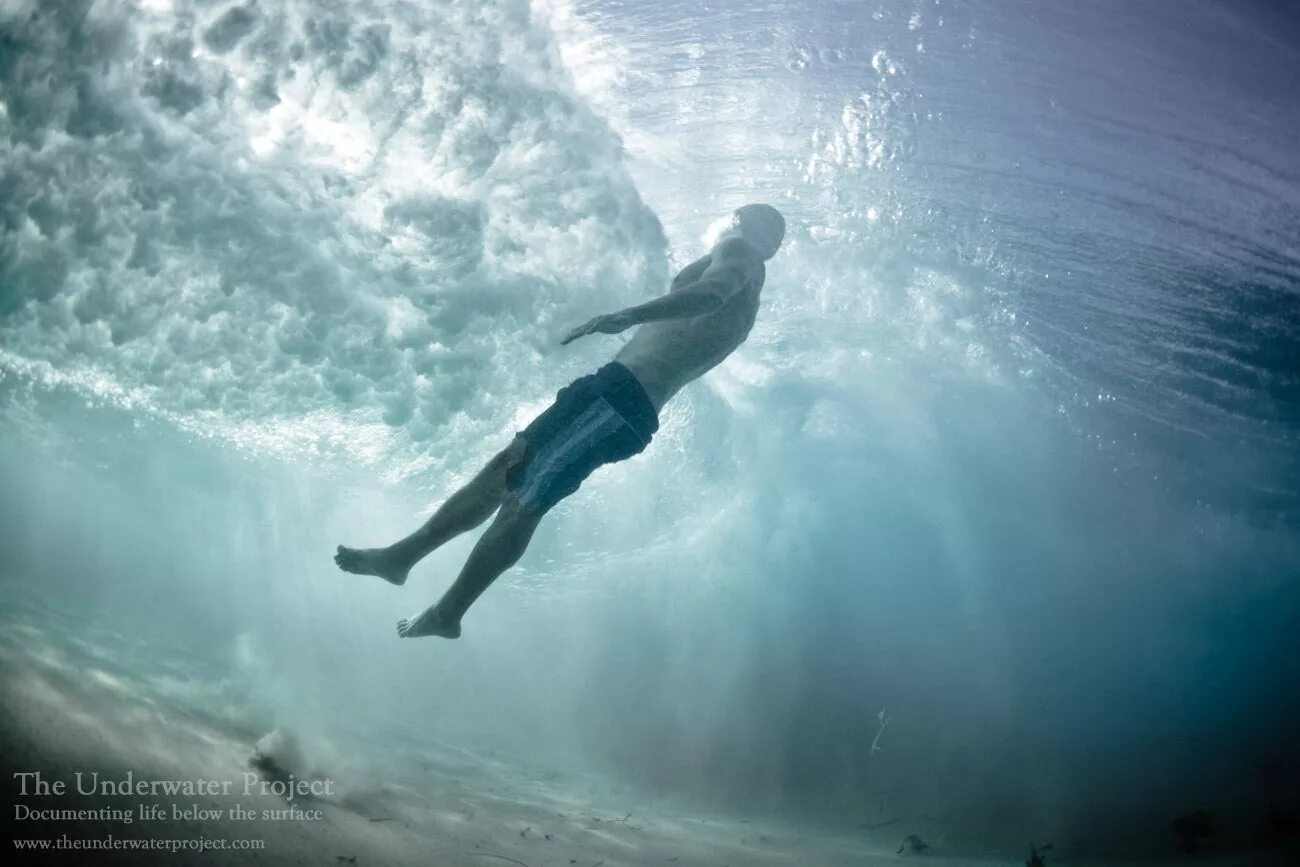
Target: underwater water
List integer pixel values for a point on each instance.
(989, 533)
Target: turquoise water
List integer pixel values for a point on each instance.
(1010, 454)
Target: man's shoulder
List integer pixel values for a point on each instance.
(739, 254)
(735, 248)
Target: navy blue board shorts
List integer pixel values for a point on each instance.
(597, 419)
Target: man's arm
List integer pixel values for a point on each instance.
(701, 287)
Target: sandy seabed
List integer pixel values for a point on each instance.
(75, 713)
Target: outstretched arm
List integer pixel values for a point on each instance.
(674, 305)
(701, 287)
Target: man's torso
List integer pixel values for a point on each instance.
(664, 356)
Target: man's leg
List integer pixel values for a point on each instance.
(496, 551)
(464, 510)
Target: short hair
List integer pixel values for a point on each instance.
(763, 226)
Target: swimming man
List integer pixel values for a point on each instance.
(598, 419)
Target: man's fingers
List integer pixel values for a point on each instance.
(585, 328)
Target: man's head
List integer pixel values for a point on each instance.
(762, 226)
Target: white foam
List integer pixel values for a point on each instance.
(297, 225)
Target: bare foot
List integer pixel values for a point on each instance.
(427, 622)
(383, 562)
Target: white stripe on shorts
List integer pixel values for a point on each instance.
(592, 425)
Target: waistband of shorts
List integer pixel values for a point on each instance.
(628, 397)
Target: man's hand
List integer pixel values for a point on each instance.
(606, 323)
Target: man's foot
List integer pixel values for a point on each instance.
(428, 622)
(383, 562)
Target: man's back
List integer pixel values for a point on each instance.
(666, 355)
